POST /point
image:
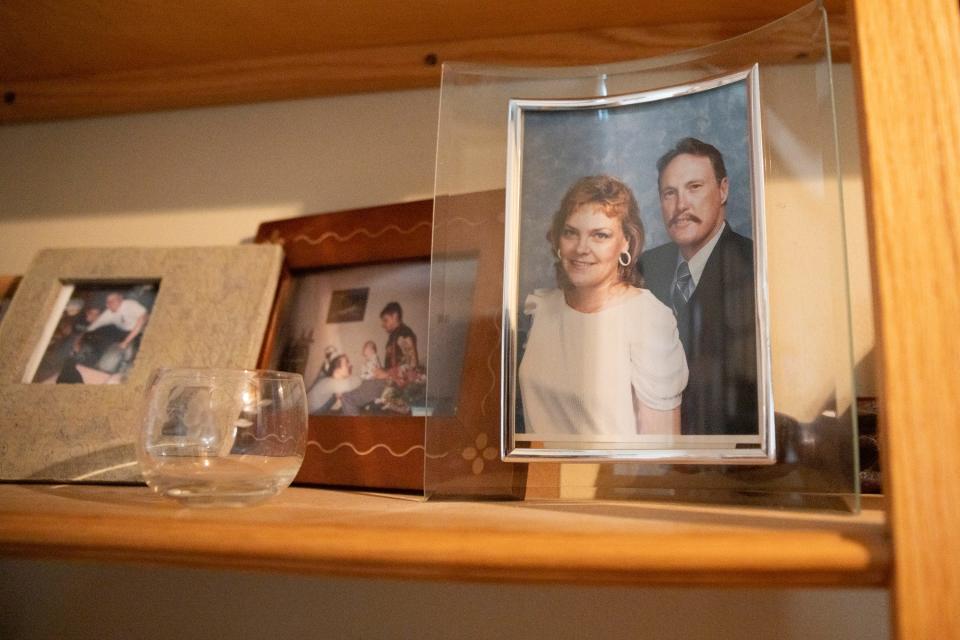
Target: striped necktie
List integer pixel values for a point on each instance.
(682, 288)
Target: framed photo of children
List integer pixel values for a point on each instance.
(635, 311)
(351, 317)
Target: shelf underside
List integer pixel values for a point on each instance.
(93, 57)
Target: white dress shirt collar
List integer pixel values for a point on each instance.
(698, 261)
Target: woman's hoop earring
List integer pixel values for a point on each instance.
(624, 263)
(559, 257)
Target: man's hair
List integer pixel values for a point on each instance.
(393, 308)
(617, 202)
(693, 147)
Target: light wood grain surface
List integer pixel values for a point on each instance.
(45, 38)
(909, 56)
(93, 57)
(315, 531)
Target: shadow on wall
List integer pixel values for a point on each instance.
(322, 152)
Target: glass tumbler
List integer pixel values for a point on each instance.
(222, 437)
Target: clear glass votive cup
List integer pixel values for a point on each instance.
(222, 437)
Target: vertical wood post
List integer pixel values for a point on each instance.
(907, 53)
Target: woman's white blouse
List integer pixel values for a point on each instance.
(582, 372)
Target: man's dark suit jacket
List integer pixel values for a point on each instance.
(718, 331)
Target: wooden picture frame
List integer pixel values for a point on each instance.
(211, 310)
(363, 451)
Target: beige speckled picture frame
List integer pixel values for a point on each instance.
(211, 310)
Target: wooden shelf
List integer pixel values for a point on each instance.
(107, 56)
(92, 57)
(339, 533)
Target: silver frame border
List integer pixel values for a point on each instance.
(509, 452)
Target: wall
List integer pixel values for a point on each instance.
(209, 176)
(67, 601)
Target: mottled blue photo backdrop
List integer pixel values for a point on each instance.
(559, 147)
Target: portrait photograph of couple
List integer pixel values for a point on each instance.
(356, 335)
(634, 261)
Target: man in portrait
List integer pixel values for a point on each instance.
(705, 274)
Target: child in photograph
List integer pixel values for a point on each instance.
(371, 361)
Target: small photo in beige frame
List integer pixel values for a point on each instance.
(94, 334)
(211, 309)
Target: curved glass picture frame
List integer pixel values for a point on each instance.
(783, 192)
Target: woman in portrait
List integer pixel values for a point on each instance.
(603, 358)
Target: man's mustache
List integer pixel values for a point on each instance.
(678, 217)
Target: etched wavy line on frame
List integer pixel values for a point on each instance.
(372, 235)
(275, 437)
(350, 445)
(366, 452)
(493, 374)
